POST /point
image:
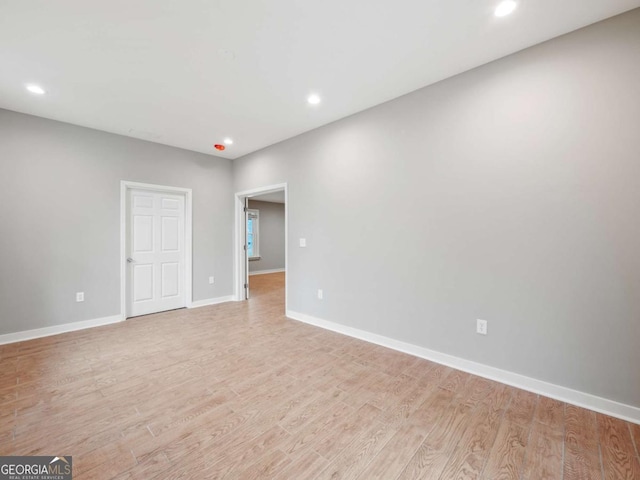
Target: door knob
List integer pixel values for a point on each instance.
(130, 260)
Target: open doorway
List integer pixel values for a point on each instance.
(261, 240)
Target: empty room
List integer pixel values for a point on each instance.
(320, 240)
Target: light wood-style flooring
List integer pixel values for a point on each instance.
(238, 391)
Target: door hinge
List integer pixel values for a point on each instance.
(245, 248)
(246, 285)
(246, 209)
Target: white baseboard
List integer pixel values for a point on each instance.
(96, 322)
(212, 301)
(264, 272)
(564, 394)
(57, 329)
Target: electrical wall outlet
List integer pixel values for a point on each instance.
(303, 242)
(80, 297)
(320, 294)
(211, 280)
(481, 327)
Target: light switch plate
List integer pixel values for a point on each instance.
(481, 327)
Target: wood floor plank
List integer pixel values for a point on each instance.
(420, 369)
(220, 463)
(579, 465)
(191, 410)
(499, 396)
(507, 454)
(150, 468)
(391, 460)
(82, 432)
(551, 413)
(442, 439)
(329, 376)
(235, 430)
(522, 407)
(406, 405)
(359, 453)
(448, 430)
(116, 457)
(472, 451)
(634, 429)
(8, 416)
(317, 428)
(299, 418)
(431, 409)
(436, 373)
(305, 465)
(295, 402)
(476, 390)
(426, 464)
(619, 457)
(391, 393)
(180, 441)
(346, 431)
(370, 391)
(543, 459)
(455, 381)
(8, 394)
(581, 432)
(268, 465)
(6, 441)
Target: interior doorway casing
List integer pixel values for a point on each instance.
(239, 257)
(125, 187)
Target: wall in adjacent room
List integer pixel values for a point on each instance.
(271, 236)
(508, 193)
(61, 218)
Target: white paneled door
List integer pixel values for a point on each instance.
(156, 252)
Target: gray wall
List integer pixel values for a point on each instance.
(271, 236)
(508, 193)
(60, 217)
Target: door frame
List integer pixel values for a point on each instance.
(125, 187)
(239, 253)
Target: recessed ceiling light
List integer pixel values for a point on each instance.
(505, 8)
(313, 99)
(37, 89)
(228, 141)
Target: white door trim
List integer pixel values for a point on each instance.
(239, 262)
(125, 186)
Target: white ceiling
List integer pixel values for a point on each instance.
(161, 70)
